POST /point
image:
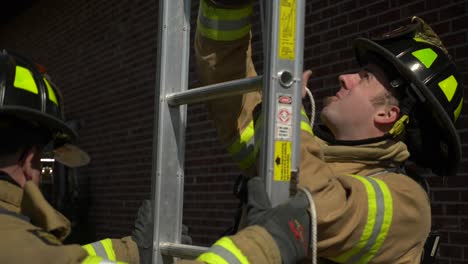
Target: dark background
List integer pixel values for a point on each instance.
(102, 54)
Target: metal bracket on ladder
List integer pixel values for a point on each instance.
(282, 105)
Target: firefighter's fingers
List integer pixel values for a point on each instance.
(257, 196)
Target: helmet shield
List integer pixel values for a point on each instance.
(418, 56)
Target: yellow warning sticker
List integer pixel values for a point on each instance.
(287, 30)
(283, 160)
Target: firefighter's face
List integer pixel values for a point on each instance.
(351, 112)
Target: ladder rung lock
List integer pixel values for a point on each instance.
(181, 250)
(219, 90)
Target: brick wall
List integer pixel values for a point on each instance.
(103, 53)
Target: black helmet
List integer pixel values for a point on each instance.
(432, 92)
(26, 93)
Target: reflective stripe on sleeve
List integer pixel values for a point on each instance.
(379, 218)
(224, 251)
(102, 248)
(99, 260)
(245, 149)
(305, 122)
(224, 24)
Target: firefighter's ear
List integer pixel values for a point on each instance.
(386, 115)
(31, 164)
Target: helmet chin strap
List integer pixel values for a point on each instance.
(406, 107)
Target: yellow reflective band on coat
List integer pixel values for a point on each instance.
(224, 251)
(102, 248)
(224, 24)
(245, 149)
(99, 260)
(305, 122)
(25, 80)
(379, 219)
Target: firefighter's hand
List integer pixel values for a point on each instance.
(305, 78)
(142, 232)
(288, 223)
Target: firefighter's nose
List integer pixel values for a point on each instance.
(347, 81)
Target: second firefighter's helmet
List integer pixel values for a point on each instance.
(431, 88)
(27, 95)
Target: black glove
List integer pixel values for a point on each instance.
(288, 223)
(142, 232)
(186, 238)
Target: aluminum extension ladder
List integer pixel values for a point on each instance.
(283, 36)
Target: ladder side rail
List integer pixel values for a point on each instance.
(298, 71)
(283, 67)
(169, 126)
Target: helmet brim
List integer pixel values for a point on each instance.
(68, 154)
(444, 123)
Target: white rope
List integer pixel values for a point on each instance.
(313, 225)
(312, 106)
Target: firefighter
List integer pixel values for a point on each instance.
(31, 122)
(406, 98)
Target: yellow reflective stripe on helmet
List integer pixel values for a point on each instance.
(449, 86)
(224, 24)
(25, 80)
(379, 219)
(224, 251)
(99, 260)
(102, 248)
(305, 122)
(51, 92)
(425, 56)
(422, 40)
(457, 111)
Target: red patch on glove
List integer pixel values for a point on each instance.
(298, 232)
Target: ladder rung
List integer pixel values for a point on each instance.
(219, 90)
(181, 250)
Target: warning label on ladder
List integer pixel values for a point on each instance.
(284, 116)
(283, 160)
(287, 30)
